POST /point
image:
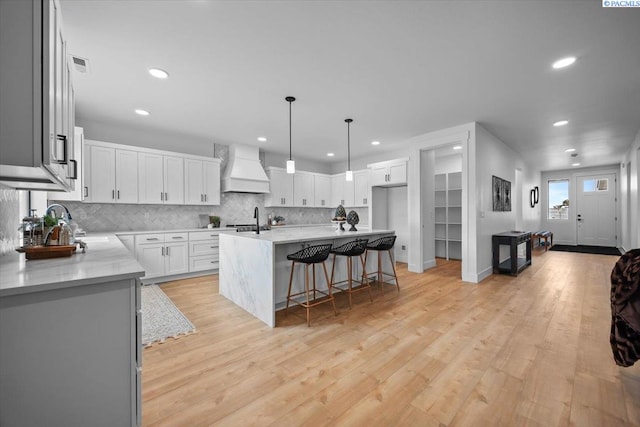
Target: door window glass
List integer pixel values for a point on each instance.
(592, 185)
(558, 199)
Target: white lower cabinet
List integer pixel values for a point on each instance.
(170, 254)
(163, 254)
(203, 250)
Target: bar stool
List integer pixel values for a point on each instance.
(310, 256)
(382, 244)
(350, 249)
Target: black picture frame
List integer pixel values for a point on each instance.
(501, 194)
(537, 190)
(496, 191)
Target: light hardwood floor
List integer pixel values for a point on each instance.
(531, 350)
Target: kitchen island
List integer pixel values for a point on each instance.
(70, 350)
(254, 270)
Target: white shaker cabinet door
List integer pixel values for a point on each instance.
(102, 170)
(211, 182)
(126, 176)
(193, 179)
(151, 257)
(176, 258)
(150, 178)
(173, 180)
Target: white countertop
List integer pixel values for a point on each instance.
(105, 260)
(279, 235)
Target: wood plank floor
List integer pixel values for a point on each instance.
(532, 350)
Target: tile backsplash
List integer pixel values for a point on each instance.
(235, 208)
(9, 219)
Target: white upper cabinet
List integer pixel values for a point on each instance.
(303, 189)
(361, 188)
(112, 175)
(161, 179)
(77, 169)
(101, 174)
(36, 124)
(322, 190)
(150, 178)
(202, 182)
(173, 180)
(389, 174)
(342, 191)
(126, 176)
(280, 186)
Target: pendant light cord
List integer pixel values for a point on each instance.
(348, 121)
(289, 130)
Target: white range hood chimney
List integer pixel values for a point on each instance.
(244, 173)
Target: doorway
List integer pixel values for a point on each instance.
(596, 210)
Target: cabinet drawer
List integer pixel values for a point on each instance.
(204, 235)
(176, 237)
(142, 239)
(203, 248)
(203, 262)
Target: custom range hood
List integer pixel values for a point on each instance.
(244, 173)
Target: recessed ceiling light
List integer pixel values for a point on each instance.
(375, 142)
(158, 73)
(564, 62)
(142, 112)
(575, 164)
(262, 139)
(457, 147)
(561, 123)
(330, 154)
(569, 150)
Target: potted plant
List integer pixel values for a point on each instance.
(214, 221)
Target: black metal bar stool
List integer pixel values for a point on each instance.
(382, 244)
(310, 256)
(351, 249)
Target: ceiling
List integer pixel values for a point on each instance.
(398, 68)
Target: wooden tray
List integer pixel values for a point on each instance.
(44, 252)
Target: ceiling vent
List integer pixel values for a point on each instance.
(81, 65)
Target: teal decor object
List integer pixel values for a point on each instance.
(352, 220)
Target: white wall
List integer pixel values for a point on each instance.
(565, 231)
(494, 157)
(630, 201)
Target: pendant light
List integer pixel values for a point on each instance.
(291, 165)
(349, 174)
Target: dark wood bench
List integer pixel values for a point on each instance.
(542, 234)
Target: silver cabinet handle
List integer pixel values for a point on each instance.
(167, 250)
(86, 191)
(166, 196)
(152, 238)
(74, 169)
(161, 195)
(162, 251)
(205, 197)
(212, 247)
(177, 237)
(60, 157)
(118, 194)
(113, 194)
(201, 199)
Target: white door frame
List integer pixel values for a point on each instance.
(419, 259)
(615, 185)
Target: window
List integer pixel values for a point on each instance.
(558, 199)
(593, 185)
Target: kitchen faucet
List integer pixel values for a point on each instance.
(66, 215)
(256, 215)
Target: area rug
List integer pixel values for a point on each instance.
(585, 249)
(161, 319)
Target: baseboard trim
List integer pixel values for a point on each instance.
(428, 264)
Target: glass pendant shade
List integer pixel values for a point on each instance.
(349, 175)
(291, 166)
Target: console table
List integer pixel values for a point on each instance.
(513, 265)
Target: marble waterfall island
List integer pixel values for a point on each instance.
(254, 270)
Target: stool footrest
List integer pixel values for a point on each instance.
(312, 302)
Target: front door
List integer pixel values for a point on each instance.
(596, 210)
